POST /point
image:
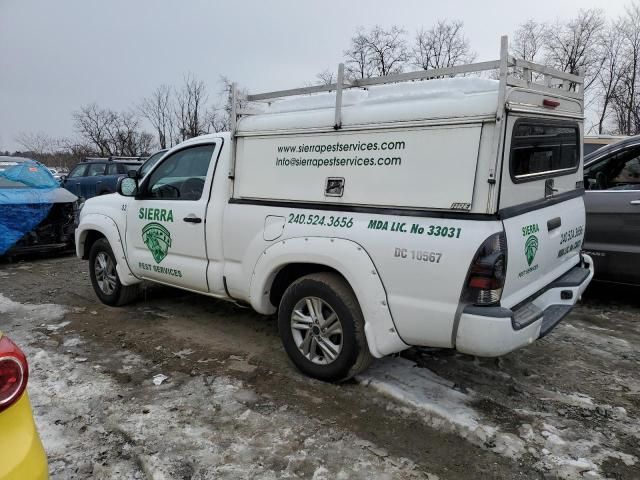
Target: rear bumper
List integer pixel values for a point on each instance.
(495, 331)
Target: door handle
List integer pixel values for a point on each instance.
(192, 219)
(635, 202)
(554, 223)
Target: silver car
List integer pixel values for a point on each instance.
(612, 200)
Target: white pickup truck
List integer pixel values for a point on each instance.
(371, 215)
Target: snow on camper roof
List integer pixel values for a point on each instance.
(423, 100)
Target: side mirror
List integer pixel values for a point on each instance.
(127, 187)
(133, 174)
(63, 178)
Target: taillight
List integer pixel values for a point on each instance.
(487, 272)
(14, 373)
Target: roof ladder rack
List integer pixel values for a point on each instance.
(513, 72)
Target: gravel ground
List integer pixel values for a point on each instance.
(183, 386)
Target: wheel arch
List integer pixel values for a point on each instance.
(90, 237)
(287, 260)
(289, 273)
(92, 228)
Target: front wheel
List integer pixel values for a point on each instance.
(322, 327)
(104, 276)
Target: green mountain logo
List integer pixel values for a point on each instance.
(157, 239)
(530, 248)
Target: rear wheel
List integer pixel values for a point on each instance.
(322, 327)
(104, 276)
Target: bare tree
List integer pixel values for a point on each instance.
(358, 59)
(77, 148)
(53, 152)
(92, 123)
(609, 75)
(624, 102)
(218, 120)
(219, 116)
(145, 144)
(39, 143)
(387, 49)
(443, 45)
(529, 40)
(377, 52)
(158, 109)
(326, 77)
(572, 46)
(190, 108)
(111, 133)
(42, 147)
(126, 137)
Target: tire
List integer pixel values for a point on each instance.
(108, 287)
(310, 347)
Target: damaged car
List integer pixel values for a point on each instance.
(36, 214)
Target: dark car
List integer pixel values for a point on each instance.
(596, 142)
(36, 214)
(99, 176)
(612, 201)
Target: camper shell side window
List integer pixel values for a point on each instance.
(542, 148)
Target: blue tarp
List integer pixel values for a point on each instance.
(27, 192)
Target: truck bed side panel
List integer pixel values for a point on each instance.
(422, 261)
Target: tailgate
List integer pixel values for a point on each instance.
(542, 245)
(541, 202)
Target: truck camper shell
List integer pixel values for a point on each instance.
(424, 140)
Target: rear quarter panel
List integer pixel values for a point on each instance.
(422, 261)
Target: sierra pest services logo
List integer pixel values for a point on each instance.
(531, 244)
(530, 248)
(157, 239)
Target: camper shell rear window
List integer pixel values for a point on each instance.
(543, 148)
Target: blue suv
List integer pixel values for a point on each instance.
(99, 176)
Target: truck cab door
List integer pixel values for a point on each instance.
(165, 232)
(612, 201)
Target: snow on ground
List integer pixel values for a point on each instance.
(436, 398)
(567, 450)
(101, 415)
(105, 418)
(439, 403)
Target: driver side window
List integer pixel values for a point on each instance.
(182, 175)
(616, 172)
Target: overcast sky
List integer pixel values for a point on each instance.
(58, 55)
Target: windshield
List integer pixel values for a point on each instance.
(25, 174)
(150, 162)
